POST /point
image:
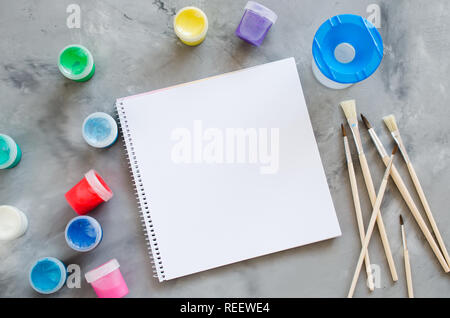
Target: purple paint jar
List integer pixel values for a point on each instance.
(255, 23)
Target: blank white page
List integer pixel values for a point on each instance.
(202, 215)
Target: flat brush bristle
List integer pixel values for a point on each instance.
(343, 130)
(401, 220)
(349, 108)
(390, 123)
(366, 122)
(395, 149)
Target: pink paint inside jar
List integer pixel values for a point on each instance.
(107, 280)
(87, 194)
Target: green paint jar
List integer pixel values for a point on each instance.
(76, 63)
(10, 153)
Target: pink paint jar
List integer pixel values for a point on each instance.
(88, 193)
(107, 280)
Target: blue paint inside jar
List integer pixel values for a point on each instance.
(97, 129)
(83, 233)
(48, 275)
(100, 130)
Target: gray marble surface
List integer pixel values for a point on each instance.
(136, 51)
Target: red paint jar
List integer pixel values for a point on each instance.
(88, 193)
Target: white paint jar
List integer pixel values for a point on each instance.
(13, 223)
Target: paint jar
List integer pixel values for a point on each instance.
(255, 23)
(100, 130)
(87, 194)
(191, 25)
(107, 280)
(346, 50)
(10, 153)
(83, 233)
(13, 223)
(47, 275)
(76, 63)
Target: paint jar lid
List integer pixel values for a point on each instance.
(262, 10)
(347, 48)
(75, 62)
(100, 130)
(8, 151)
(102, 271)
(98, 185)
(45, 264)
(95, 226)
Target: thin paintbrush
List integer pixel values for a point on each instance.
(393, 128)
(373, 218)
(406, 196)
(359, 218)
(349, 108)
(407, 263)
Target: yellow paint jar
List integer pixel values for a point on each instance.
(190, 25)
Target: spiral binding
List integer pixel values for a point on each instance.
(146, 220)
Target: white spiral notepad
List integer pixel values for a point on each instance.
(226, 169)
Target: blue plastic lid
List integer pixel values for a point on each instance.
(347, 48)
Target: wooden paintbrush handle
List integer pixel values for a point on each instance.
(408, 274)
(373, 218)
(415, 212)
(428, 211)
(381, 228)
(359, 219)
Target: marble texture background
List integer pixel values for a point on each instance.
(136, 51)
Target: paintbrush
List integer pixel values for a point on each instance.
(406, 196)
(407, 263)
(349, 108)
(373, 218)
(393, 128)
(357, 204)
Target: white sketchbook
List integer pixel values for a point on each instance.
(226, 169)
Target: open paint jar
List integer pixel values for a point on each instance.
(255, 23)
(76, 63)
(10, 153)
(83, 233)
(100, 130)
(47, 275)
(13, 223)
(107, 280)
(87, 194)
(346, 50)
(191, 25)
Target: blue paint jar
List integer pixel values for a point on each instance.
(47, 275)
(100, 130)
(83, 233)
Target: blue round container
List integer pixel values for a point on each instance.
(83, 233)
(346, 49)
(100, 130)
(47, 275)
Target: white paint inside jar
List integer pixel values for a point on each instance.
(13, 223)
